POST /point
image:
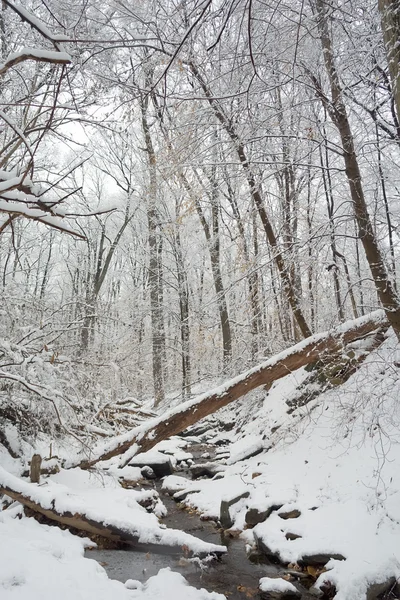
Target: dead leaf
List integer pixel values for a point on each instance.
(313, 571)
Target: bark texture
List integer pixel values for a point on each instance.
(390, 22)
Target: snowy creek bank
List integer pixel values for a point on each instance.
(236, 574)
(233, 575)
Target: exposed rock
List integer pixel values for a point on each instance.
(275, 428)
(222, 441)
(196, 431)
(225, 517)
(316, 592)
(182, 495)
(255, 516)
(291, 514)
(377, 589)
(328, 590)
(318, 560)
(288, 595)
(292, 536)
(148, 472)
(277, 589)
(228, 426)
(266, 551)
(160, 463)
(150, 501)
(300, 575)
(208, 469)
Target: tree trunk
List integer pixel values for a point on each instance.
(390, 23)
(289, 289)
(70, 512)
(308, 351)
(183, 291)
(252, 277)
(155, 266)
(213, 242)
(338, 113)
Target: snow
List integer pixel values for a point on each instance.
(276, 584)
(42, 563)
(168, 585)
(244, 447)
(212, 492)
(15, 202)
(40, 54)
(336, 461)
(143, 431)
(174, 483)
(153, 457)
(37, 23)
(99, 497)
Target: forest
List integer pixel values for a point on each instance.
(199, 244)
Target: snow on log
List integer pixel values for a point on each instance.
(312, 349)
(53, 57)
(111, 513)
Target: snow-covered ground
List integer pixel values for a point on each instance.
(335, 461)
(38, 562)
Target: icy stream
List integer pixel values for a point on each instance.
(234, 575)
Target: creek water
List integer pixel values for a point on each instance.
(233, 575)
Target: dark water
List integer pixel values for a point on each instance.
(233, 575)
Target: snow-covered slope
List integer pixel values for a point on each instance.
(336, 460)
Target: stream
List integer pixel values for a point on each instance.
(233, 575)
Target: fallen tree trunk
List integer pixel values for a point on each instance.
(312, 349)
(94, 517)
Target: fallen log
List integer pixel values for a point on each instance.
(310, 350)
(104, 514)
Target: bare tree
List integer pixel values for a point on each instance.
(337, 111)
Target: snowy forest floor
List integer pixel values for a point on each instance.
(333, 460)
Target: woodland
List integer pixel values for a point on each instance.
(193, 194)
(187, 190)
